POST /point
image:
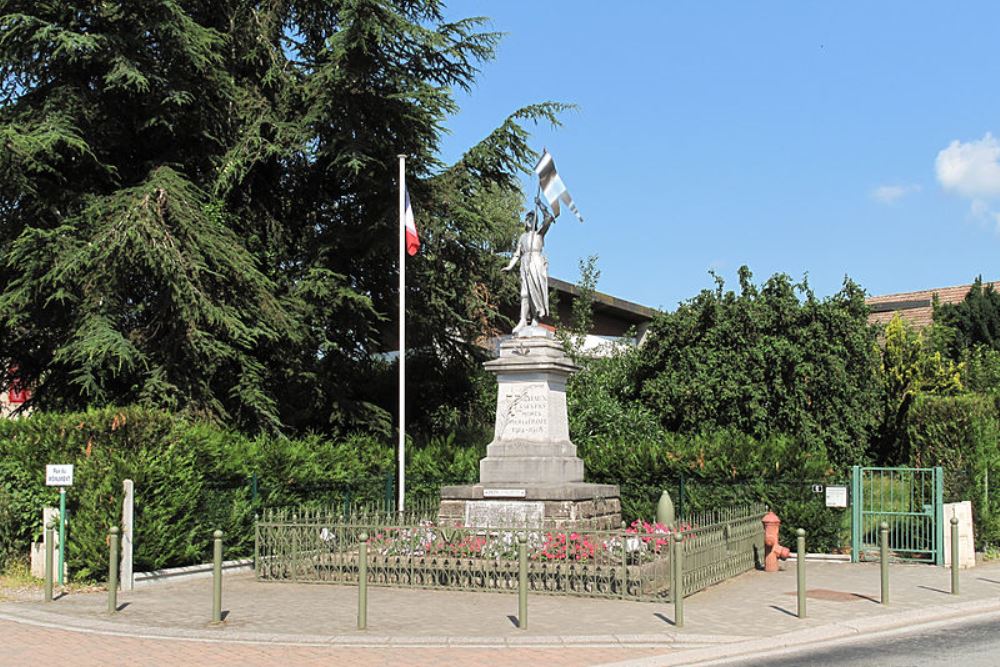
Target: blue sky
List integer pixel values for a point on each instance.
(832, 139)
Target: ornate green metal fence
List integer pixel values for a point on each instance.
(631, 563)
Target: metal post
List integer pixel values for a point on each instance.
(856, 514)
(883, 543)
(363, 582)
(522, 581)
(954, 555)
(938, 515)
(624, 587)
(800, 569)
(680, 497)
(50, 539)
(217, 577)
(62, 533)
(113, 571)
(256, 544)
(677, 586)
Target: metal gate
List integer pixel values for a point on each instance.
(910, 501)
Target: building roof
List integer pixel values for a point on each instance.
(627, 311)
(916, 307)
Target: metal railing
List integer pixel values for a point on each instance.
(632, 563)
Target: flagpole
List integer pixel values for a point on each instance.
(401, 448)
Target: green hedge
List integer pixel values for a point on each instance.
(190, 478)
(962, 435)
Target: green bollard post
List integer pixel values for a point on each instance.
(363, 581)
(217, 576)
(954, 555)
(113, 571)
(50, 538)
(883, 542)
(677, 586)
(800, 569)
(522, 581)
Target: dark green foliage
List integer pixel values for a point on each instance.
(975, 320)
(962, 434)
(768, 361)
(622, 442)
(981, 369)
(198, 204)
(190, 478)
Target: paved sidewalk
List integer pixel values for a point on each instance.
(316, 623)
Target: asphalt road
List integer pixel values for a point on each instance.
(969, 644)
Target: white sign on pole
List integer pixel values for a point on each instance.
(836, 496)
(59, 475)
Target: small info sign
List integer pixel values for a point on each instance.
(59, 475)
(836, 496)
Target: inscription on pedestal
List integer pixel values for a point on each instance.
(523, 411)
(501, 514)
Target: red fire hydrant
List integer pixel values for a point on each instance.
(772, 550)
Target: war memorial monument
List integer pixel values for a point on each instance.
(531, 474)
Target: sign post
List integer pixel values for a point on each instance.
(61, 476)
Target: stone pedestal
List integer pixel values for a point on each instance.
(531, 473)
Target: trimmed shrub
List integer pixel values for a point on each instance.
(190, 479)
(961, 434)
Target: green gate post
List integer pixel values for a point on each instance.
(217, 577)
(856, 507)
(800, 569)
(954, 555)
(256, 544)
(677, 586)
(522, 581)
(50, 538)
(883, 543)
(363, 581)
(938, 515)
(113, 571)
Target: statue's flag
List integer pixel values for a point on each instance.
(553, 187)
(412, 240)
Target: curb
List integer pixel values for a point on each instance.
(666, 640)
(695, 649)
(760, 649)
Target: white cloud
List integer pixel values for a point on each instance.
(890, 194)
(971, 169)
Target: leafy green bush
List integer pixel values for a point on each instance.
(190, 478)
(622, 442)
(961, 434)
(769, 360)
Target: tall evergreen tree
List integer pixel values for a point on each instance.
(198, 204)
(975, 321)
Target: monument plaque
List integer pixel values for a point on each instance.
(504, 513)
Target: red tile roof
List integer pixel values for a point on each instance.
(915, 307)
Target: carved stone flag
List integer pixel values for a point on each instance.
(552, 186)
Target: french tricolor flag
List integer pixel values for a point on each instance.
(412, 240)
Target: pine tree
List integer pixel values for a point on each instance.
(197, 201)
